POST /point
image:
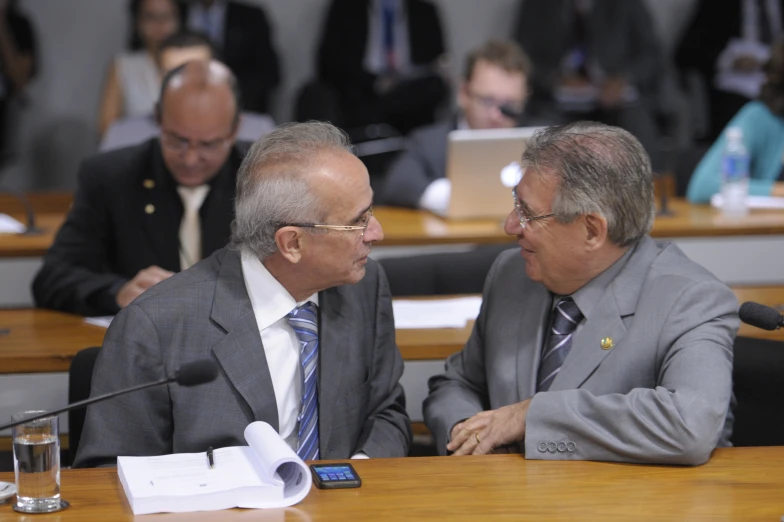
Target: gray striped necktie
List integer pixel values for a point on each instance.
(563, 320)
(304, 321)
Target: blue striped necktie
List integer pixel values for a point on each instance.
(563, 320)
(304, 321)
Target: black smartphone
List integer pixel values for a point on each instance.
(334, 476)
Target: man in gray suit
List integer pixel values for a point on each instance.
(297, 317)
(600, 343)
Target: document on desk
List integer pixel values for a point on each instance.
(435, 313)
(264, 474)
(103, 321)
(754, 202)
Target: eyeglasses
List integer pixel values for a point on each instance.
(524, 220)
(363, 221)
(489, 102)
(205, 149)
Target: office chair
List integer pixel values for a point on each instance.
(80, 378)
(758, 383)
(441, 274)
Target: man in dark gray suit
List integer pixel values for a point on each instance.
(600, 343)
(496, 77)
(297, 317)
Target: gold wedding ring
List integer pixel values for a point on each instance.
(478, 440)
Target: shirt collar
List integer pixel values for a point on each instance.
(270, 300)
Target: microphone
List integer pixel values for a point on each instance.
(760, 316)
(30, 229)
(510, 113)
(189, 374)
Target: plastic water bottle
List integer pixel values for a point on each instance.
(735, 175)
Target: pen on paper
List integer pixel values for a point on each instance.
(210, 457)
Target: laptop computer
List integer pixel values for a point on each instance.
(483, 167)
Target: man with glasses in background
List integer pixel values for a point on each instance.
(594, 342)
(491, 96)
(294, 312)
(142, 213)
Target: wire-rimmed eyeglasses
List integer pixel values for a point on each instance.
(524, 220)
(364, 222)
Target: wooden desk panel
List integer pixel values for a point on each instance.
(46, 341)
(736, 484)
(12, 245)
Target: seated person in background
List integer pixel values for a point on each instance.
(594, 341)
(379, 62)
(242, 37)
(134, 79)
(142, 213)
(594, 60)
(496, 76)
(762, 124)
(176, 50)
(18, 61)
(298, 318)
(727, 43)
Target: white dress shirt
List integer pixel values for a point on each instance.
(271, 303)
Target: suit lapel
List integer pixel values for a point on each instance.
(532, 327)
(619, 300)
(160, 209)
(333, 339)
(240, 353)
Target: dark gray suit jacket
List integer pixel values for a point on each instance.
(205, 312)
(661, 394)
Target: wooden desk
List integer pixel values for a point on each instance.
(736, 484)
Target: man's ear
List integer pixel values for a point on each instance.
(595, 231)
(290, 243)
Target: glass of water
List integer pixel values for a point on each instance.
(37, 463)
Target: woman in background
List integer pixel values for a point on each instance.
(762, 124)
(134, 79)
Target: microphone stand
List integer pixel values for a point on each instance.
(30, 229)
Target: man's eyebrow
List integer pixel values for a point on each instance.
(362, 213)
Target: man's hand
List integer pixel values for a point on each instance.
(778, 189)
(490, 430)
(142, 281)
(612, 92)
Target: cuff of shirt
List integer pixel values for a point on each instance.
(359, 456)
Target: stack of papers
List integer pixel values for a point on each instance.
(435, 313)
(103, 321)
(761, 202)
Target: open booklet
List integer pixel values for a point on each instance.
(264, 474)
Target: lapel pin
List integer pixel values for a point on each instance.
(149, 184)
(607, 343)
(150, 208)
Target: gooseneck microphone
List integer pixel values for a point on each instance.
(761, 316)
(189, 374)
(30, 229)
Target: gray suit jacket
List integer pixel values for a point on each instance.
(422, 162)
(661, 394)
(205, 312)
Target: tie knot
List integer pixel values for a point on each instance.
(193, 197)
(304, 314)
(567, 316)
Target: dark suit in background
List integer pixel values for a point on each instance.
(341, 55)
(714, 23)
(248, 51)
(621, 40)
(205, 312)
(126, 217)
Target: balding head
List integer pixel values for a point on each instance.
(198, 112)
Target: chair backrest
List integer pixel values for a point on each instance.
(758, 383)
(80, 378)
(441, 274)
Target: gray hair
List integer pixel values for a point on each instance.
(601, 170)
(273, 187)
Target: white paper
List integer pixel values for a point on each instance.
(754, 202)
(9, 225)
(263, 475)
(103, 321)
(435, 313)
